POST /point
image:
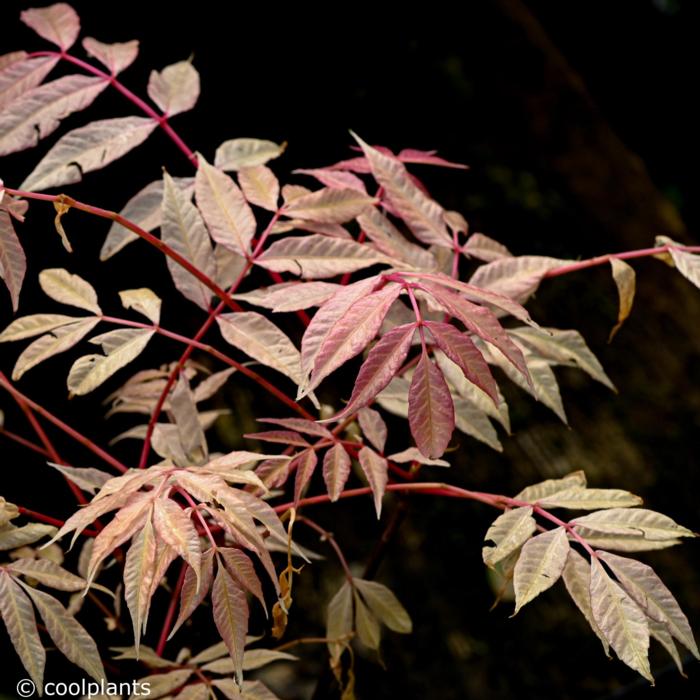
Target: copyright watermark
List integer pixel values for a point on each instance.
(26, 688)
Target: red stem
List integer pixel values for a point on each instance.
(161, 119)
(78, 437)
(168, 622)
(25, 443)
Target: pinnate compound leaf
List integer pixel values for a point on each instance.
(49, 573)
(317, 256)
(122, 346)
(19, 74)
(67, 634)
(620, 521)
(190, 597)
(336, 469)
(175, 527)
(534, 493)
(625, 281)
(59, 340)
(651, 594)
(508, 532)
(260, 186)
(143, 300)
(62, 286)
(116, 57)
(38, 112)
(175, 89)
(577, 579)
(373, 427)
(228, 216)
(424, 216)
(540, 565)
(13, 262)
(230, 609)
(620, 620)
(339, 623)
(578, 498)
(376, 469)
(351, 333)
(88, 148)
(145, 210)
(138, 577)
(515, 277)
(430, 409)
(183, 230)
(383, 362)
(58, 23)
(259, 338)
(329, 206)
(384, 605)
(18, 615)
(246, 153)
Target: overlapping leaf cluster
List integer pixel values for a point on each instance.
(384, 265)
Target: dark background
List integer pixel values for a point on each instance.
(579, 121)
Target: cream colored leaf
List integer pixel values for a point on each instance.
(621, 620)
(256, 658)
(66, 288)
(49, 573)
(15, 537)
(484, 248)
(412, 454)
(384, 605)
(289, 296)
(246, 153)
(183, 230)
(230, 266)
(186, 418)
(262, 340)
(625, 281)
(579, 498)
(88, 148)
(471, 420)
(620, 521)
(624, 543)
(19, 74)
(329, 205)
(376, 469)
(162, 684)
(540, 565)
(339, 624)
(123, 346)
(88, 479)
(175, 527)
(18, 615)
(688, 264)
(228, 216)
(652, 596)
(190, 597)
(144, 301)
(660, 633)
(138, 577)
(36, 324)
(13, 263)
(577, 579)
(260, 186)
(67, 634)
(534, 493)
(508, 532)
(175, 89)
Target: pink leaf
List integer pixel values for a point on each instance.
(375, 468)
(335, 178)
(382, 363)
(284, 437)
(38, 112)
(373, 427)
(20, 75)
(191, 597)
(175, 526)
(58, 23)
(305, 465)
(352, 332)
(356, 165)
(290, 296)
(430, 409)
(480, 321)
(329, 206)
(175, 89)
(301, 425)
(462, 351)
(115, 57)
(424, 216)
(240, 566)
(336, 469)
(231, 616)
(411, 155)
(13, 263)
